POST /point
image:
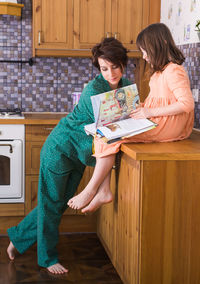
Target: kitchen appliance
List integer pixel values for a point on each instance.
(12, 153)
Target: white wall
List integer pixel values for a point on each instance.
(181, 16)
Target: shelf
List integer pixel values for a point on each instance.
(7, 8)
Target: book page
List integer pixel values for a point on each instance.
(126, 127)
(114, 105)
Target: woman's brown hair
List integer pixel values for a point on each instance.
(111, 50)
(157, 41)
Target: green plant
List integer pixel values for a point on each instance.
(197, 26)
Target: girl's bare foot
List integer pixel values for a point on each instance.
(57, 268)
(82, 199)
(103, 196)
(11, 251)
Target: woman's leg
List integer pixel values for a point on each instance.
(102, 168)
(59, 177)
(55, 191)
(23, 236)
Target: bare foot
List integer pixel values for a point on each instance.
(82, 199)
(103, 196)
(57, 269)
(11, 251)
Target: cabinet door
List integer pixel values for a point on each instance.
(52, 24)
(118, 222)
(92, 22)
(33, 157)
(127, 21)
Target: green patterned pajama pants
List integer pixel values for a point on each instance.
(58, 180)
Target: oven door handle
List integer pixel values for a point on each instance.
(9, 145)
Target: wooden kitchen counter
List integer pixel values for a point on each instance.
(188, 149)
(151, 230)
(32, 118)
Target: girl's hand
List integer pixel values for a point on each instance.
(141, 112)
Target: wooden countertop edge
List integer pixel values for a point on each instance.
(36, 118)
(30, 121)
(188, 149)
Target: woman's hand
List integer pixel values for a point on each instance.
(141, 112)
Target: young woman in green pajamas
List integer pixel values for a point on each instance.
(63, 158)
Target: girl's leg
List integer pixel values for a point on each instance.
(103, 196)
(102, 168)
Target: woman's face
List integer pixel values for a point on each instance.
(145, 56)
(110, 72)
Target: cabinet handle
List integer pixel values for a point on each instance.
(48, 128)
(116, 35)
(39, 37)
(108, 34)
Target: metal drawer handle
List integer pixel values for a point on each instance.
(48, 128)
(9, 145)
(39, 37)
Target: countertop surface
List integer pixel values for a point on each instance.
(188, 149)
(32, 118)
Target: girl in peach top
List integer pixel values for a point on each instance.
(169, 104)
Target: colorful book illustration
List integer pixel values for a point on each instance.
(111, 112)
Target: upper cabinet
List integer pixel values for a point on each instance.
(73, 27)
(52, 24)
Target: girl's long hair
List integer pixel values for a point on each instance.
(157, 41)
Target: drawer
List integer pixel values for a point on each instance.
(38, 132)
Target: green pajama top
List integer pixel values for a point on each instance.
(79, 143)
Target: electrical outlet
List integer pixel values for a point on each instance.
(195, 93)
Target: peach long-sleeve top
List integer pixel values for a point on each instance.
(167, 87)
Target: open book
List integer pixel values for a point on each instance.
(111, 112)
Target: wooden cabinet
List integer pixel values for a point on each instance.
(94, 20)
(52, 23)
(72, 27)
(151, 230)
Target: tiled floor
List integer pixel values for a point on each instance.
(82, 254)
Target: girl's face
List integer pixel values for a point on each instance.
(110, 72)
(145, 56)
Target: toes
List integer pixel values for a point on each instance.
(86, 209)
(57, 269)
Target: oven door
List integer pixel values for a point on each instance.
(11, 157)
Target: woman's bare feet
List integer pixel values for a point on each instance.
(11, 251)
(103, 196)
(57, 268)
(82, 199)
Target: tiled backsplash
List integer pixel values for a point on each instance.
(48, 85)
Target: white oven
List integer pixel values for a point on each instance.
(12, 152)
